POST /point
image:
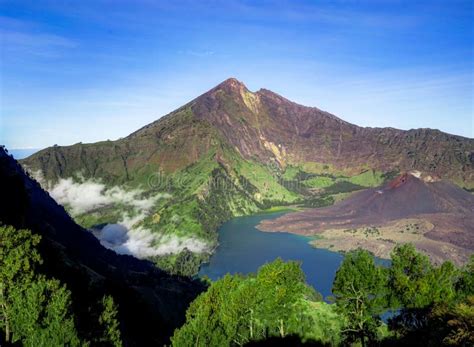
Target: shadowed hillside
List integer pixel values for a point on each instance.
(152, 303)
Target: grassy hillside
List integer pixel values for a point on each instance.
(199, 197)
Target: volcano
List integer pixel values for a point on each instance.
(233, 152)
(437, 216)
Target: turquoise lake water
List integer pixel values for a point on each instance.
(243, 249)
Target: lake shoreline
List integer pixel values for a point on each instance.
(380, 240)
(243, 249)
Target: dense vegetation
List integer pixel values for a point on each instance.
(276, 301)
(432, 303)
(208, 193)
(36, 310)
(211, 189)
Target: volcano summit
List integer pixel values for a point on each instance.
(264, 150)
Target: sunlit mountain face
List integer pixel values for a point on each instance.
(236, 173)
(161, 192)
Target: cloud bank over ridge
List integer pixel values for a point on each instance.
(88, 195)
(126, 236)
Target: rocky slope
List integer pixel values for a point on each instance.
(266, 126)
(232, 152)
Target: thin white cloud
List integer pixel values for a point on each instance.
(24, 37)
(197, 53)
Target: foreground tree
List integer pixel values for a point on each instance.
(40, 314)
(34, 310)
(442, 324)
(360, 294)
(465, 284)
(18, 257)
(275, 302)
(109, 323)
(434, 303)
(415, 283)
(452, 324)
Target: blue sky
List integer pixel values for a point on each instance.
(84, 71)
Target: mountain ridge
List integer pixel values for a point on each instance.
(204, 108)
(234, 82)
(293, 125)
(231, 152)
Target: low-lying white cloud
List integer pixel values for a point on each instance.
(126, 236)
(142, 243)
(87, 195)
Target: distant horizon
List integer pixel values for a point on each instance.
(99, 70)
(22, 153)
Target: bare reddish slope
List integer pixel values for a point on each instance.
(262, 126)
(259, 123)
(449, 208)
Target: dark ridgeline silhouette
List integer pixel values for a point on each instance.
(151, 303)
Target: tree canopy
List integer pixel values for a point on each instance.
(432, 303)
(36, 310)
(274, 302)
(360, 293)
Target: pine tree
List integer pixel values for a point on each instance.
(34, 310)
(109, 323)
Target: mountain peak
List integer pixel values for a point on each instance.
(232, 81)
(231, 84)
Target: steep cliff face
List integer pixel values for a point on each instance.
(268, 126)
(152, 303)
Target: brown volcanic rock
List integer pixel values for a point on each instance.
(258, 123)
(447, 208)
(265, 126)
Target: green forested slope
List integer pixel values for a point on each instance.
(232, 152)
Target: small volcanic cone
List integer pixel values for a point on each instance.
(447, 207)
